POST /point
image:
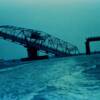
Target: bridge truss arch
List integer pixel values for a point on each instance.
(38, 40)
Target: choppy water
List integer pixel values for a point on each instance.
(73, 78)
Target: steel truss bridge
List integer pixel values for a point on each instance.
(36, 41)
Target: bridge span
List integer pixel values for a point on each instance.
(36, 41)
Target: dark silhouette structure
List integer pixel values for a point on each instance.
(36, 41)
(88, 40)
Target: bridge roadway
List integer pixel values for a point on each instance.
(36, 41)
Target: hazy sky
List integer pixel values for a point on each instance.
(70, 20)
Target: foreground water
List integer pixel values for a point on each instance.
(73, 78)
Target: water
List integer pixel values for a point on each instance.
(73, 78)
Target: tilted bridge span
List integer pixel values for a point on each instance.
(36, 41)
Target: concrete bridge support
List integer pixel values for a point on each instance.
(32, 53)
(88, 40)
(87, 47)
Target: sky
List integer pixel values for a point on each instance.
(69, 20)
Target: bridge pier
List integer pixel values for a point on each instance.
(88, 40)
(87, 48)
(32, 53)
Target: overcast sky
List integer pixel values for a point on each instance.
(70, 20)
